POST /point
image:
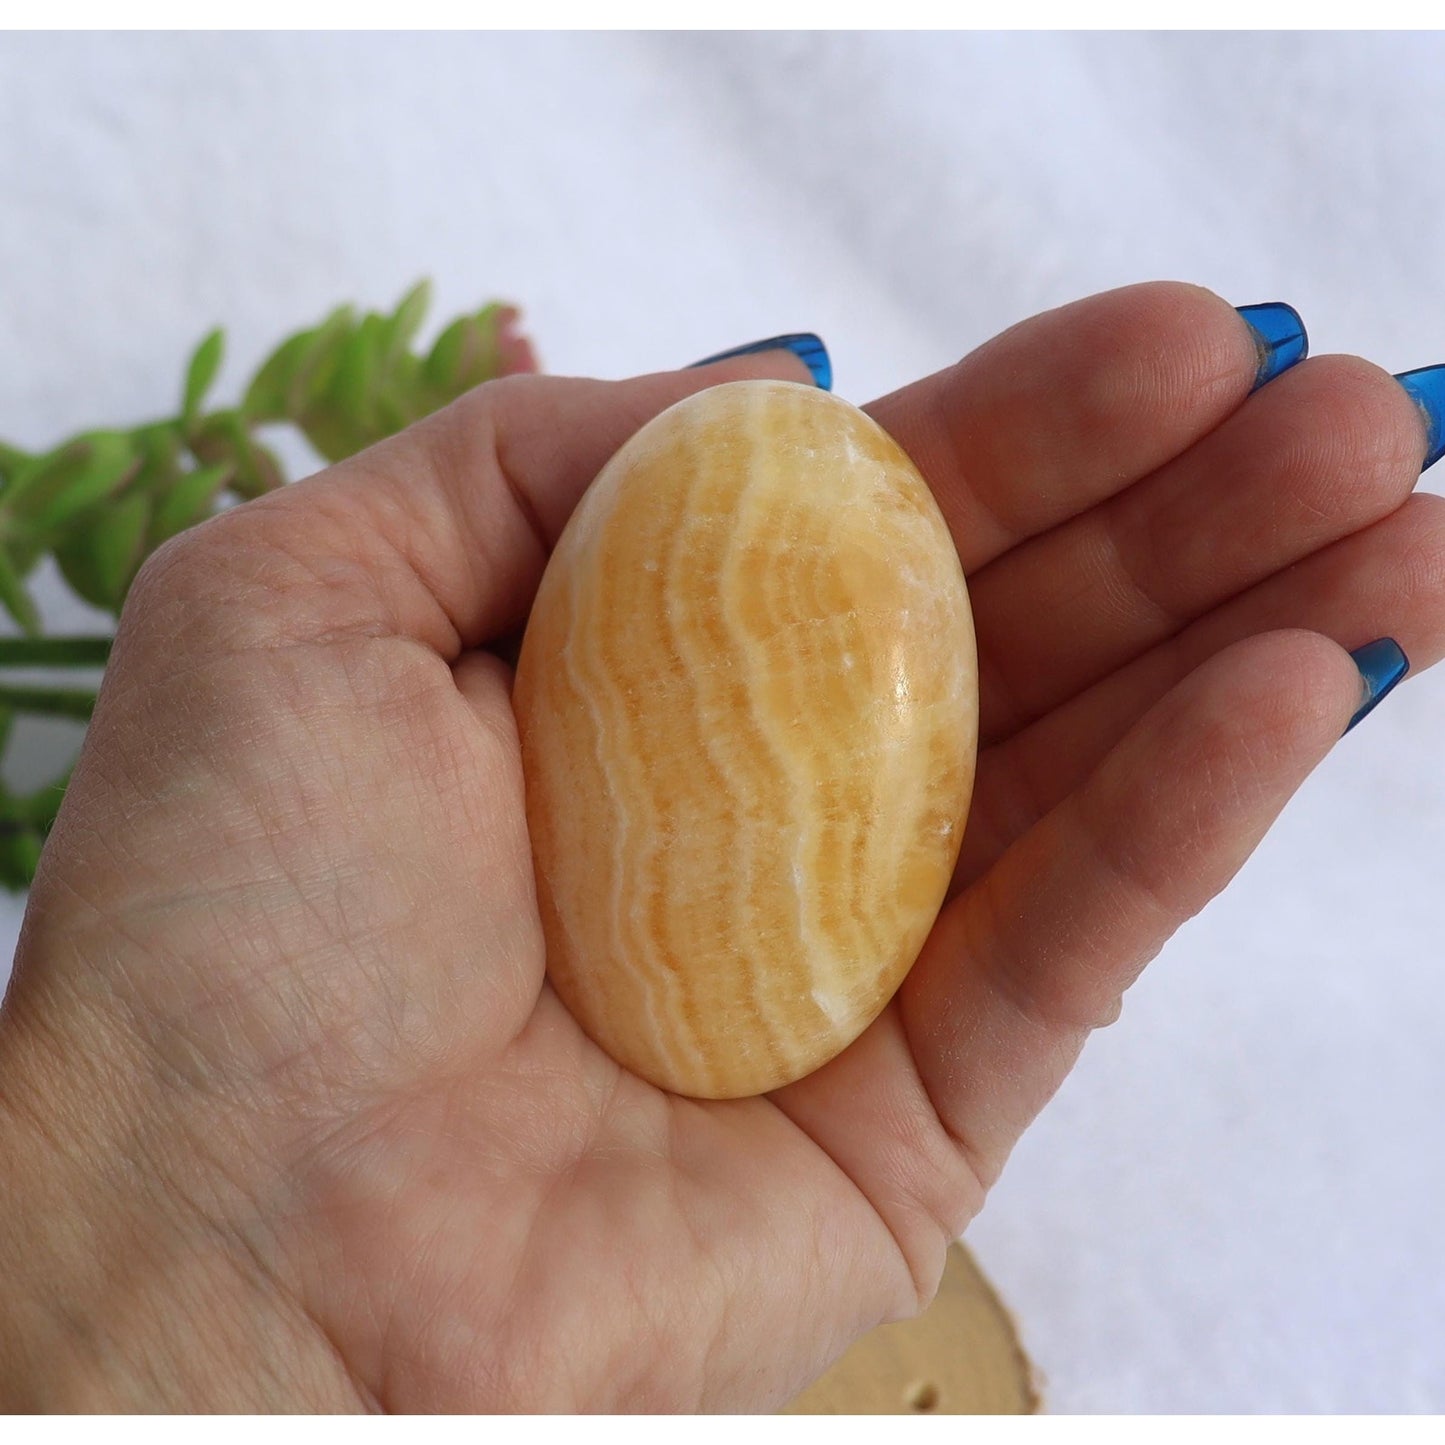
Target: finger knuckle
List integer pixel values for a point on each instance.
(182, 597)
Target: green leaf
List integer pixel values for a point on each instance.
(448, 357)
(205, 363)
(333, 435)
(257, 470)
(20, 847)
(25, 823)
(158, 443)
(191, 499)
(41, 807)
(266, 396)
(50, 490)
(16, 597)
(358, 371)
(26, 551)
(161, 461)
(396, 409)
(101, 557)
(404, 385)
(214, 439)
(464, 355)
(489, 359)
(318, 363)
(404, 323)
(299, 371)
(224, 438)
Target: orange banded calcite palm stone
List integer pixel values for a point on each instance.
(748, 703)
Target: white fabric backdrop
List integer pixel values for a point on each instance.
(1234, 1204)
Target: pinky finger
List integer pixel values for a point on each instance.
(1039, 951)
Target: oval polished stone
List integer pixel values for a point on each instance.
(748, 704)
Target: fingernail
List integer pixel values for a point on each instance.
(809, 349)
(1279, 337)
(1426, 386)
(1382, 664)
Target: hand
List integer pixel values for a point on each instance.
(290, 1117)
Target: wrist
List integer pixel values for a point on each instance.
(129, 1276)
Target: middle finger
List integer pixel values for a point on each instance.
(1326, 449)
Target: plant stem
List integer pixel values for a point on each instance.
(54, 651)
(49, 701)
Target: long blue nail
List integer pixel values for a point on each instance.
(809, 349)
(1427, 390)
(1382, 664)
(1279, 336)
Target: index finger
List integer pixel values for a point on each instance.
(1073, 405)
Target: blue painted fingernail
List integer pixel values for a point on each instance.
(1382, 664)
(1279, 336)
(809, 349)
(1427, 390)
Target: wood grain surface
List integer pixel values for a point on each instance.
(962, 1356)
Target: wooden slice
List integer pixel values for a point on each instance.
(962, 1356)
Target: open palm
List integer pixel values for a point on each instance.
(284, 943)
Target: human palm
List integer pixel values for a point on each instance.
(283, 958)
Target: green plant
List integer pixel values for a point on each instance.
(102, 501)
